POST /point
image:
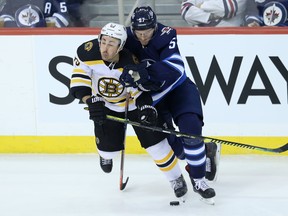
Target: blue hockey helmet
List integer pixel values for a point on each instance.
(143, 18)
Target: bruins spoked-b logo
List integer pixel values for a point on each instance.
(28, 16)
(110, 87)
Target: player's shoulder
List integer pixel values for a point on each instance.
(166, 29)
(89, 51)
(126, 58)
(164, 34)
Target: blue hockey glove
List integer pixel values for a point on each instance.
(148, 115)
(133, 75)
(150, 86)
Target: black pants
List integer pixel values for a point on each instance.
(113, 133)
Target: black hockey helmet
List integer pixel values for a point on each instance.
(143, 18)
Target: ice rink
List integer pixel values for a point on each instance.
(74, 185)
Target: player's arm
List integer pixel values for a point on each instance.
(7, 14)
(60, 14)
(80, 83)
(192, 13)
(224, 8)
(169, 69)
(81, 88)
(211, 12)
(252, 18)
(167, 72)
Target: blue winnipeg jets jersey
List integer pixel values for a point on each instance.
(33, 13)
(163, 54)
(268, 12)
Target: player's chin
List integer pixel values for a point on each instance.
(106, 58)
(144, 43)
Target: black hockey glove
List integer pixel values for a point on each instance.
(133, 75)
(148, 115)
(96, 109)
(97, 114)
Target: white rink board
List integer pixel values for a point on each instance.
(27, 83)
(258, 116)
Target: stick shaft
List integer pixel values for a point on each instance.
(204, 138)
(123, 184)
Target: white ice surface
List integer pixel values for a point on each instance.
(74, 185)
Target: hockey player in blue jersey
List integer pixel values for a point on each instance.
(35, 13)
(174, 94)
(267, 13)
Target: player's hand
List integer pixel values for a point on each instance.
(133, 75)
(126, 78)
(148, 115)
(96, 109)
(253, 24)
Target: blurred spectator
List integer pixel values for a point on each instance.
(266, 13)
(2, 3)
(35, 13)
(74, 9)
(219, 13)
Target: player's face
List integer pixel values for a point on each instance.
(109, 48)
(144, 36)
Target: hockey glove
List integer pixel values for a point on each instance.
(96, 109)
(133, 75)
(150, 86)
(148, 115)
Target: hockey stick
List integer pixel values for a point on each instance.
(123, 184)
(204, 138)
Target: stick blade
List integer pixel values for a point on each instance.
(283, 148)
(123, 184)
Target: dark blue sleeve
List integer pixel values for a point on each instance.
(168, 66)
(252, 13)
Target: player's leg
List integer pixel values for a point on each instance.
(213, 152)
(195, 154)
(166, 161)
(175, 142)
(106, 160)
(109, 146)
(185, 107)
(158, 148)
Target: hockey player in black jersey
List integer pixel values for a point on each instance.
(95, 81)
(173, 93)
(35, 13)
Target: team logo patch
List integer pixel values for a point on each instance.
(97, 141)
(274, 14)
(110, 87)
(28, 15)
(88, 46)
(165, 30)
